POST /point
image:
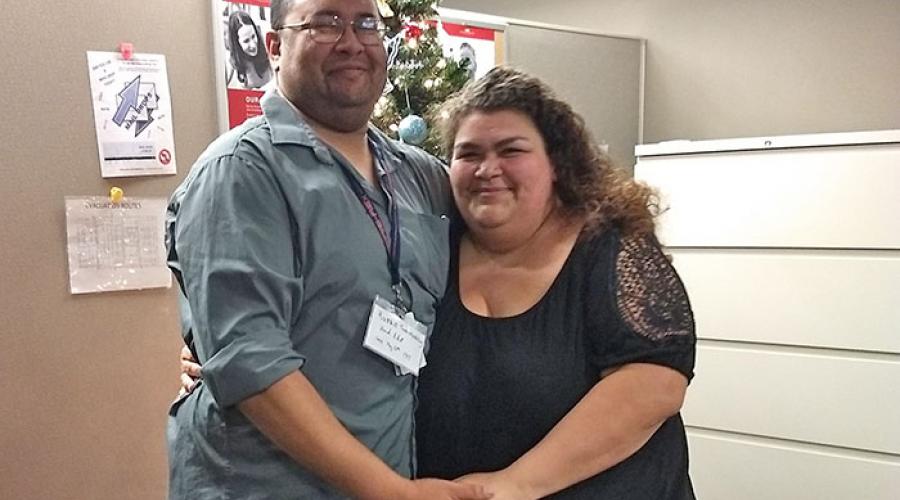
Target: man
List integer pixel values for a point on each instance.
(283, 235)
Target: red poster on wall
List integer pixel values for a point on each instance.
(475, 45)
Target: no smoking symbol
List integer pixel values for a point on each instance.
(165, 156)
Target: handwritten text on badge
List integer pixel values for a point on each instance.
(399, 339)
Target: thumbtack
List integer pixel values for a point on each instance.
(127, 50)
(116, 194)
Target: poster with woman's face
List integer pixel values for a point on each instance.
(241, 35)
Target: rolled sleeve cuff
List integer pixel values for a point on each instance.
(245, 368)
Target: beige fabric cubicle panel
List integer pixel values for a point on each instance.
(85, 380)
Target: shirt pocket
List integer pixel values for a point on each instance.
(424, 258)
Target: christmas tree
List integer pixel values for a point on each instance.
(420, 78)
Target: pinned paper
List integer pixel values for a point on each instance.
(116, 245)
(132, 113)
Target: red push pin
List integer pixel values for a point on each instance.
(127, 50)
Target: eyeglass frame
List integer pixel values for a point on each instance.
(380, 28)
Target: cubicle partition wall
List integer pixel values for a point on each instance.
(601, 76)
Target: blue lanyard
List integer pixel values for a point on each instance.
(391, 242)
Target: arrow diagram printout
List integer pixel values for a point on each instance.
(116, 246)
(132, 114)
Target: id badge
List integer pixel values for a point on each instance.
(396, 337)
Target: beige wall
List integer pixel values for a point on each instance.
(737, 68)
(84, 381)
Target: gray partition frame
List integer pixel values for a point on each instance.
(608, 93)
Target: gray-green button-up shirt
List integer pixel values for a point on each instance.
(280, 264)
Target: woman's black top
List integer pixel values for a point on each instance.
(494, 387)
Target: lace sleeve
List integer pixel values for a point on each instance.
(646, 317)
(649, 294)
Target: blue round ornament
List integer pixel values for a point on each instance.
(413, 129)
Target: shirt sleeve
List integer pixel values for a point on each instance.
(645, 311)
(233, 242)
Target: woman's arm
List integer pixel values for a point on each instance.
(610, 423)
(626, 407)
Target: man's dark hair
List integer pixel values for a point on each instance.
(278, 11)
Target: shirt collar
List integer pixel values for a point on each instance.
(289, 127)
(391, 155)
(285, 121)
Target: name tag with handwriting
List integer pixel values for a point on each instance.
(396, 337)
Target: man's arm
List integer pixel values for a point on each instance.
(293, 415)
(333, 449)
(234, 246)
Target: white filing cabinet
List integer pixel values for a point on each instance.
(790, 251)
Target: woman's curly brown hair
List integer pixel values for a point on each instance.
(587, 184)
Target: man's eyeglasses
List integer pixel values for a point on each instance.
(329, 29)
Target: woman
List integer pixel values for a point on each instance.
(247, 52)
(564, 345)
(565, 341)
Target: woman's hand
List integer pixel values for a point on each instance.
(500, 485)
(190, 371)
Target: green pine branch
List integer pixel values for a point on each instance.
(421, 77)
